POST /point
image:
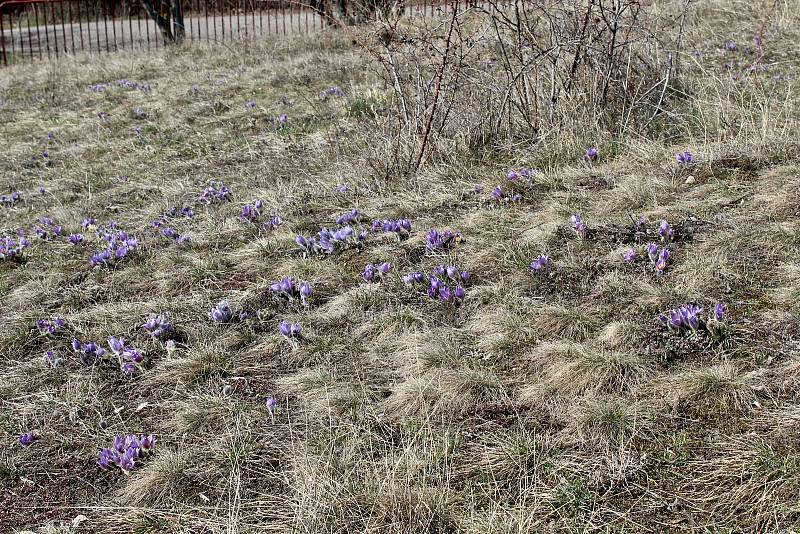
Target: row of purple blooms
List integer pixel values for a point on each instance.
(126, 451)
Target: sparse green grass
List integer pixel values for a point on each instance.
(543, 403)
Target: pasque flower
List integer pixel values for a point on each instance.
(689, 318)
(221, 313)
(215, 192)
(27, 438)
(592, 153)
(49, 326)
(579, 225)
(436, 240)
(684, 157)
(288, 289)
(665, 231)
(158, 325)
(126, 451)
(540, 264)
(630, 255)
(90, 353)
(401, 227)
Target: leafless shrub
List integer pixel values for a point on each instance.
(522, 70)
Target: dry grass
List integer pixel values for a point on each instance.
(550, 403)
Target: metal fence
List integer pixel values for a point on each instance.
(42, 29)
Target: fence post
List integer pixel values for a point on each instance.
(179, 30)
(3, 36)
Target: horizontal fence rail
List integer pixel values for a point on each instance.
(46, 29)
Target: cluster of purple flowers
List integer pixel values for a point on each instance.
(688, 319)
(401, 227)
(373, 272)
(540, 265)
(331, 91)
(118, 243)
(172, 233)
(659, 257)
(75, 239)
(49, 326)
(436, 240)
(11, 248)
(185, 211)
(129, 357)
(215, 192)
(130, 84)
(282, 120)
(445, 283)
(48, 228)
(331, 241)
(523, 173)
(90, 353)
(252, 212)
(291, 331)
(348, 218)
(592, 154)
(500, 195)
(158, 325)
(250, 104)
(579, 225)
(684, 157)
(11, 199)
(27, 438)
(126, 452)
(98, 87)
(221, 313)
(288, 289)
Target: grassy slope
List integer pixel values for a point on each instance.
(541, 403)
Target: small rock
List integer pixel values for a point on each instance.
(689, 180)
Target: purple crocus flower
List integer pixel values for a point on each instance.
(289, 330)
(665, 231)
(108, 457)
(221, 313)
(283, 119)
(459, 293)
(540, 264)
(579, 225)
(661, 264)
(305, 290)
(719, 311)
(384, 268)
(271, 403)
(76, 239)
(684, 157)
(629, 256)
(250, 104)
(652, 252)
(27, 438)
(368, 273)
(592, 153)
(117, 345)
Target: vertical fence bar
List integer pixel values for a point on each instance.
(71, 27)
(46, 33)
(3, 35)
(114, 27)
(105, 27)
(130, 27)
(64, 27)
(80, 28)
(55, 28)
(238, 24)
